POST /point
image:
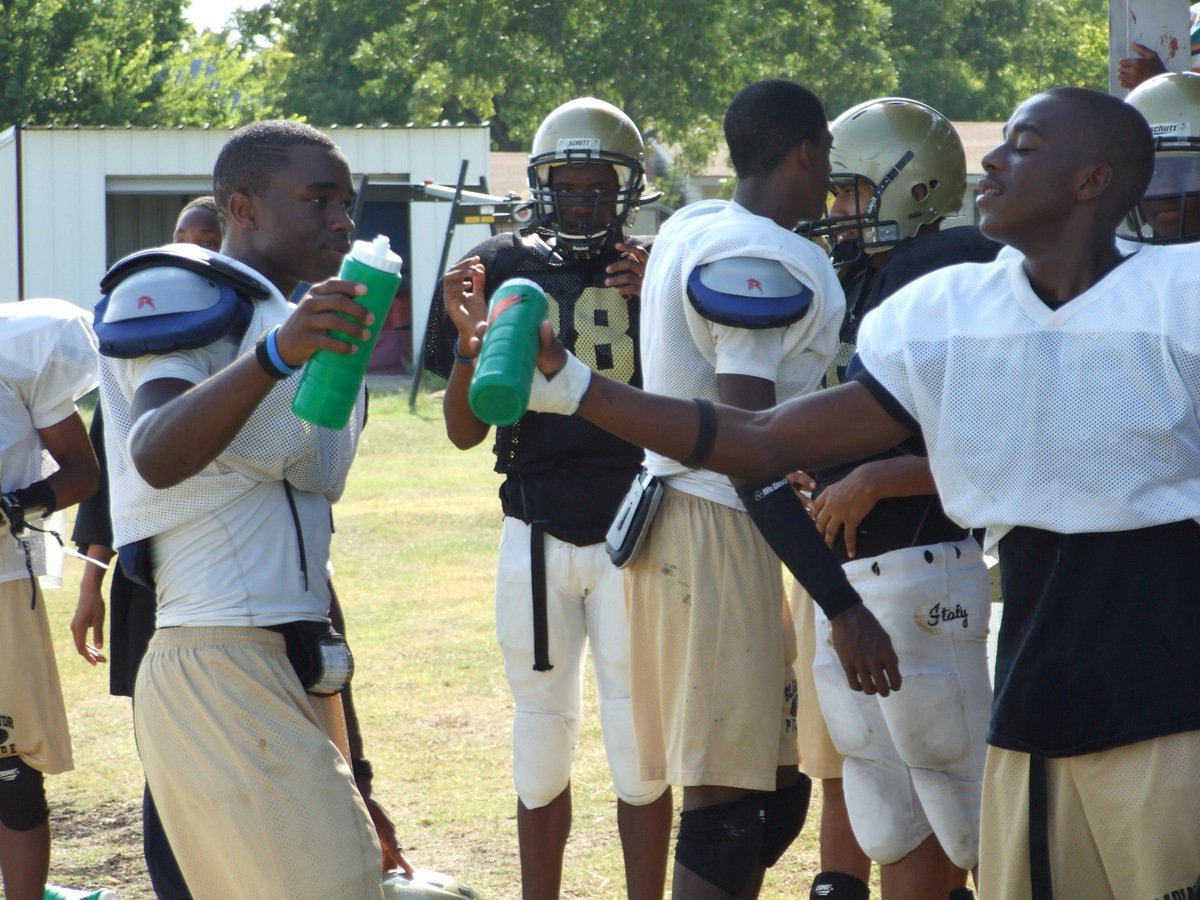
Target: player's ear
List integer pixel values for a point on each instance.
(242, 211)
(1093, 181)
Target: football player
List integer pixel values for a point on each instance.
(557, 592)
(898, 171)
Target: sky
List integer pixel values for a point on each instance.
(214, 13)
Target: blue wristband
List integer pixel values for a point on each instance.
(267, 353)
(273, 352)
(465, 360)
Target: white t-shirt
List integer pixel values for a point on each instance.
(683, 352)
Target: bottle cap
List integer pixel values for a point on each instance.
(377, 254)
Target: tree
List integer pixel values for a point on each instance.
(82, 62)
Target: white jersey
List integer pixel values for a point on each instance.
(226, 550)
(48, 360)
(1076, 419)
(683, 352)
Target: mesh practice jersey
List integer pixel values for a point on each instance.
(1076, 419)
(561, 470)
(683, 352)
(273, 445)
(48, 360)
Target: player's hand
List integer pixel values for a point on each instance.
(391, 853)
(1144, 64)
(865, 652)
(803, 484)
(89, 614)
(323, 310)
(843, 505)
(463, 295)
(626, 274)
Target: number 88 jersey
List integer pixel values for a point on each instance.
(561, 470)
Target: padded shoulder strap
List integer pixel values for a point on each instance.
(190, 258)
(748, 292)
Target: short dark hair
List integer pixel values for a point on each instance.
(248, 159)
(1114, 132)
(206, 202)
(767, 120)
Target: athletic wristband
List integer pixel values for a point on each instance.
(465, 360)
(781, 518)
(706, 435)
(562, 392)
(266, 351)
(37, 499)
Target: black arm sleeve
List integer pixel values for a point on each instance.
(782, 519)
(92, 523)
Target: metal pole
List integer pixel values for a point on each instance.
(419, 363)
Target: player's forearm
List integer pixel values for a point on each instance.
(463, 427)
(900, 476)
(837, 425)
(190, 426)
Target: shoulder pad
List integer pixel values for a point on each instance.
(748, 292)
(172, 298)
(184, 256)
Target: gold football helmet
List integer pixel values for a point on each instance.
(904, 165)
(579, 133)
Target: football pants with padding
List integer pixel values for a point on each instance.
(915, 759)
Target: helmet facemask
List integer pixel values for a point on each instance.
(584, 223)
(1169, 212)
(853, 236)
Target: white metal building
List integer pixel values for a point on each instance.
(74, 200)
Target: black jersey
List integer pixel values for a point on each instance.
(897, 522)
(561, 471)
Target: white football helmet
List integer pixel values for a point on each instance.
(425, 885)
(1169, 213)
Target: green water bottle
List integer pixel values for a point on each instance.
(331, 381)
(499, 389)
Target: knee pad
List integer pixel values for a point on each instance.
(543, 749)
(784, 812)
(722, 843)
(838, 886)
(22, 795)
(885, 812)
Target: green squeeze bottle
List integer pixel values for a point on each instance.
(499, 390)
(331, 381)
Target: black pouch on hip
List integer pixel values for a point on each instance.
(320, 656)
(632, 521)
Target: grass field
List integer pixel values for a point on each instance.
(415, 555)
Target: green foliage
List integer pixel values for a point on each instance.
(672, 65)
(83, 62)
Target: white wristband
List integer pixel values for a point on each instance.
(563, 391)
